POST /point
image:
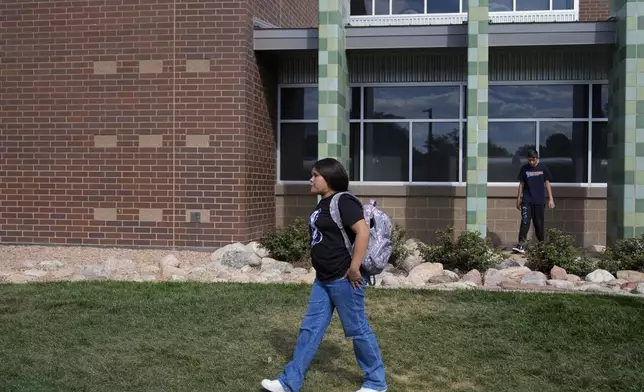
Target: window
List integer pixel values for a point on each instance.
(417, 133)
(556, 120)
(402, 7)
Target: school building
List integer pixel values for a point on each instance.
(195, 123)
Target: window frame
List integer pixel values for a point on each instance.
(424, 18)
(462, 120)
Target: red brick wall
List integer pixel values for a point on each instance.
(53, 176)
(594, 10)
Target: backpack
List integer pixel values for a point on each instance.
(380, 246)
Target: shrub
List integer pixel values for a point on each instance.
(557, 250)
(469, 251)
(625, 254)
(289, 243)
(400, 252)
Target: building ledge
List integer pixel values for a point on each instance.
(444, 36)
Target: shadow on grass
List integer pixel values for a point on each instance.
(325, 360)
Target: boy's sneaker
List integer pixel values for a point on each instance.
(273, 386)
(519, 249)
(363, 389)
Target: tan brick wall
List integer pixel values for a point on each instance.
(584, 219)
(583, 214)
(80, 83)
(594, 10)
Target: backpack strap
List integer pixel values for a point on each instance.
(334, 209)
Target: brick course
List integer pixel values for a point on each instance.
(594, 10)
(74, 70)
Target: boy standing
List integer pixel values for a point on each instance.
(534, 179)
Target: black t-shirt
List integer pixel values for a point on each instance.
(329, 255)
(534, 180)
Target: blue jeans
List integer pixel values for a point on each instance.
(324, 299)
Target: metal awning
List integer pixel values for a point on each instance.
(418, 37)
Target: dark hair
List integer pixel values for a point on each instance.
(333, 173)
(533, 154)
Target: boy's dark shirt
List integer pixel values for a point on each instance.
(534, 183)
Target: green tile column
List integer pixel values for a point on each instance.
(625, 215)
(333, 83)
(477, 119)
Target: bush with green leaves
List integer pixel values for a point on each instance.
(289, 243)
(558, 249)
(624, 255)
(400, 252)
(467, 252)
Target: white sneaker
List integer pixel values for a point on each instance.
(363, 389)
(273, 386)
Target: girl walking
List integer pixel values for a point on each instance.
(339, 285)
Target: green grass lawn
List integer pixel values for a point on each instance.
(225, 337)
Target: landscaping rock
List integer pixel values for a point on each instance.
(121, 265)
(254, 261)
(561, 284)
(599, 276)
(639, 289)
(95, 271)
(51, 265)
(167, 272)
(35, 273)
(170, 261)
(237, 258)
(269, 264)
(594, 288)
(391, 281)
(535, 278)
(19, 278)
(509, 285)
(256, 248)
(493, 277)
(451, 275)
(618, 282)
(453, 286)
(421, 273)
(415, 258)
(573, 278)
(219, 253)
(597, 248)
(439, 279)
(515, 273)
(631, 276)
(558, 273)
(62, 273)
(473, 276)
(508, 264)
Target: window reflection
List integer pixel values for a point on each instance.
(298, 150)
(434, 102)
(443, 6)
(435, 152)
(539, 101)
(508, 145)
(361, 7)
(533, 5)
(299, 103)
(382, 7)
(386, 152)
(563, 147)
(563, 4)
(407, 7)
(599, 152)
(600, 101)
(354, 152)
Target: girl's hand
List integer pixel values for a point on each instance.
(355, 277)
